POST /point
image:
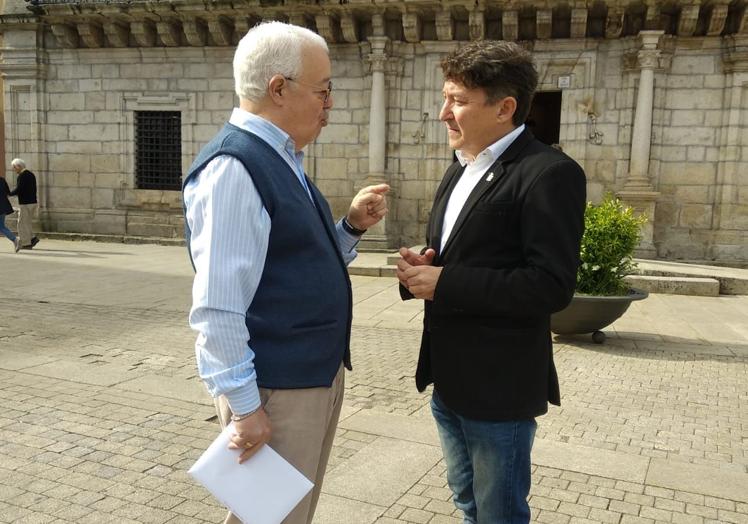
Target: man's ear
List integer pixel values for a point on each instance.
(507, 108)
(276, 87)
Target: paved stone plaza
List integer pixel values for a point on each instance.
(103, 413)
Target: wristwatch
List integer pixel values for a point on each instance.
(350, 229)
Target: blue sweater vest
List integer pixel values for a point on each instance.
(300, 319)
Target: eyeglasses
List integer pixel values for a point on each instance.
(325, 93)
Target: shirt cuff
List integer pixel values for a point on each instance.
(244, 399)
(347, 240)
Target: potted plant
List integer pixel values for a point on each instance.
(611, 233)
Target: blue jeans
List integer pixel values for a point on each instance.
(5, 231)
(488, 465)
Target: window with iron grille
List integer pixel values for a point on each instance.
(158, 150)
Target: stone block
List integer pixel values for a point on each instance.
(107, 117)
(216, 101)
(688, 81)
(356, 100)
(67, 102)
(94, 132)
(96, 102)
(696, 154)
(62, 86)
(89, 84)
(70, 117)
(699, 136)
(340, 117)
(106, 164)
(152, 230)
(339, 134)
(72, 71)
(691, 99)
(109, 223)
(332, 168)
(199, 70)
(692, 194)
(694, 286)
(78, 147)
(56, 132)
(69, 198)
(407, 209)
(69, 162)
(191, 84)
(105, 71)
(735, 217)
(63, 179)
(102, 198)
(688, 64)
(158, 70)
(117, 86)
(682, 117)
(687, 173)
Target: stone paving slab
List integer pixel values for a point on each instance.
(653, 426)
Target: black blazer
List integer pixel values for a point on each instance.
(5, 207)
(510, 261)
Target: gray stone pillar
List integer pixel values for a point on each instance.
(23, 72)
(638, 191)
(376, 237)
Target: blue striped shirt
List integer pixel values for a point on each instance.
(230, 232)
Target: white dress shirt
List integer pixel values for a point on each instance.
(230, 231)
(474, 171)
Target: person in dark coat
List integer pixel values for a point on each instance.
(26, 192)
(501, 256)
(6, 209)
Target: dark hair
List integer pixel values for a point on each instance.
(498, 67)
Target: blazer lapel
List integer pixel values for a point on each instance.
(436, 222)
(495, 173)
(489, 178)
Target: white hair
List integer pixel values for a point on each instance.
(18, 162)
(268, 49)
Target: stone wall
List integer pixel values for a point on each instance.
(74, 125)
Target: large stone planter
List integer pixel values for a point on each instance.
(589, 314)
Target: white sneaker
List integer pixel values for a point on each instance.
(17, 244)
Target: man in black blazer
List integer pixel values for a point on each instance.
(502, 255)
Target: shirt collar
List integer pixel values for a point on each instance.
(269, 132)
(495, 150)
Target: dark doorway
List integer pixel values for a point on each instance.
(544, 119)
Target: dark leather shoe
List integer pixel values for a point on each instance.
(34, 241)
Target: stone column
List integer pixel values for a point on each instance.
(23, 72)
(638, 191)
(376, 237)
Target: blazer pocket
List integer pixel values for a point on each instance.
(496, 207)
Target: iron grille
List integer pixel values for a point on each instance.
(158, 150)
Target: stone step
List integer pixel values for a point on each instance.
(694, 286)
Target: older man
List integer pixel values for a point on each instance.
(26, 192)
(271, 296)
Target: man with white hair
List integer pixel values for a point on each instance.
(26, 192)
(271, 297)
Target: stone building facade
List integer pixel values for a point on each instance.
(649, 96)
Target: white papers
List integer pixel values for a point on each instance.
(262, 490)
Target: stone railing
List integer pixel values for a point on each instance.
(133, 23)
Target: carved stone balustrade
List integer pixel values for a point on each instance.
(137, 23)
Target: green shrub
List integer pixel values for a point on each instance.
(611, 233)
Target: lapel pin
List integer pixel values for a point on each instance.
(489, 177)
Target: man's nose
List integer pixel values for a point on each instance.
(445, 112)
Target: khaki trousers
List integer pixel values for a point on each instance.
(303, 423)
(26, 214)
